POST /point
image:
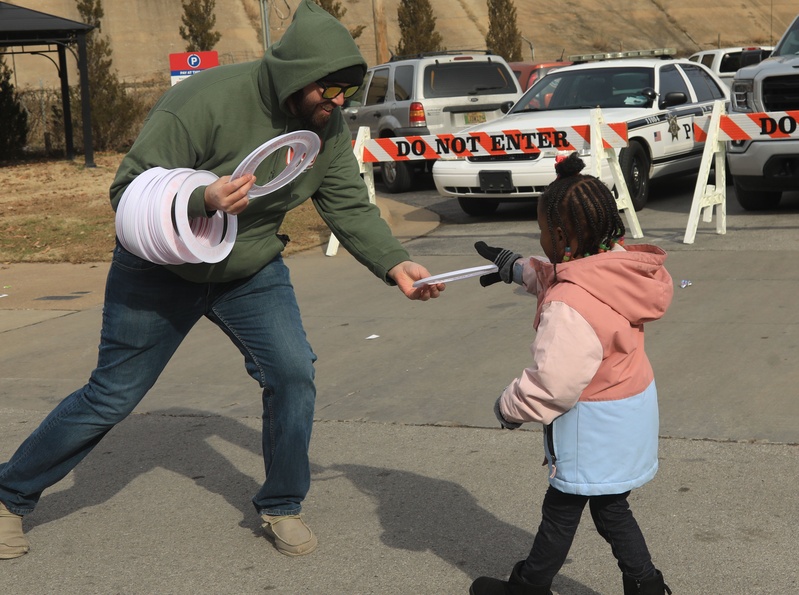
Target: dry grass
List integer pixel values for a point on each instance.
(59, 211)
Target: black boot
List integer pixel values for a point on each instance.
(653, 585)
(515, 585)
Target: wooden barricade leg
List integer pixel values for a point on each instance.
(367, 170)
(599, 153)
(707, 196)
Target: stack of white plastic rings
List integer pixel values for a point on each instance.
(152, 218)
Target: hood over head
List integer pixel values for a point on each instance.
(351, 75)
(314, 45)
(634, 282)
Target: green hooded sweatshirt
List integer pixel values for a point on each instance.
(214, 119)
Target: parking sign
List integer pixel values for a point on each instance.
(187, 63)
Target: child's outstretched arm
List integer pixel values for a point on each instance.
(513, 268)
(504, 259)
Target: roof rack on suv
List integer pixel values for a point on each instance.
(439, 53)
(655, 53)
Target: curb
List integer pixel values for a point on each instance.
(61, 288)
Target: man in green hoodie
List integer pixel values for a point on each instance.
(212, 121)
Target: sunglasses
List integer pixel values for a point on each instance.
(333, 91)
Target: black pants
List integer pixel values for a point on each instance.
(614, 521)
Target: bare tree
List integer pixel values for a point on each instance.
(113, 112)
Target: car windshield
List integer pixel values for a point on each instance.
(585, 89)
(789, 44)
(456, 79)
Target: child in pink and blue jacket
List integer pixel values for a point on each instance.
(590, 382)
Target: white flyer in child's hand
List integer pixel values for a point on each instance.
(457, 275)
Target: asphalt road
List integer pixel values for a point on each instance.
(414, 488)
(724, 354)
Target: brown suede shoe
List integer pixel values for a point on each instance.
(290, 534)
(13, 542)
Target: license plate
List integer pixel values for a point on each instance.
(495, 181)
(474, 118)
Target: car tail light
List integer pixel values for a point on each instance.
(416, 115)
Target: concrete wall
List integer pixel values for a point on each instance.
(144, 32)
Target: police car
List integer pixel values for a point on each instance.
(657, 97)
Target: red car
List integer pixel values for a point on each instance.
(530, 72)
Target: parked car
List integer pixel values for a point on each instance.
(657, 98)
(437, 93)
(529, 72)
(725, 62)
(762, 170)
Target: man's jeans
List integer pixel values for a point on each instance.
(614, 521)
(147, 313)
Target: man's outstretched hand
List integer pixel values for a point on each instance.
(404, 275)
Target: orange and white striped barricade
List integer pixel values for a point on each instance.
(601, 146)
(707, 196)
(598, 136)
(367, 171)
(715, 130)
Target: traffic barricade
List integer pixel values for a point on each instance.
(715, 130)
(601, 138)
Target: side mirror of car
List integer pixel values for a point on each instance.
(674, 98)
(505, 107)
(650, 94)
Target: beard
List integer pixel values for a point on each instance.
(311, 114)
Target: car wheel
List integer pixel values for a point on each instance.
(756, 200)
(634, 163)
(478, 207)
(397, 176)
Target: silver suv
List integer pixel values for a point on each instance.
(762, 170)
(430, 94)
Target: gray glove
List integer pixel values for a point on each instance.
(507, 425)
(501, 257)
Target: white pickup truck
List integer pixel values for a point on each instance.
(725, 62)
(762, 170)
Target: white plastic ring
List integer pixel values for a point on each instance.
(209, 239)
(305, 147)
(145, 225)
(152, 218)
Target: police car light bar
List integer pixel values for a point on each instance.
(659, 52)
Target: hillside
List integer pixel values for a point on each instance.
(144, 32)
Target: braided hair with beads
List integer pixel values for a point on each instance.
(585, 206)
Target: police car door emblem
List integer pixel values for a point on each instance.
(674, 128)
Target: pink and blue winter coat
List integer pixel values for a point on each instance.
(590, 382)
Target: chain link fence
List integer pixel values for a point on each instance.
(45, 110)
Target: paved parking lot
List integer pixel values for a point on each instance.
(415, 489)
